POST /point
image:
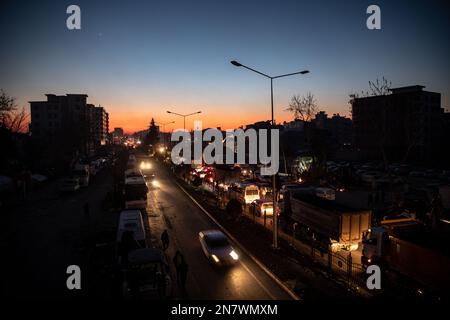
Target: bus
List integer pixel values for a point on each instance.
(135, 192)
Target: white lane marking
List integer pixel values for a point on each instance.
(258, 281)
(255, 260)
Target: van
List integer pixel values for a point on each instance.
(251, 193)
(131, 220)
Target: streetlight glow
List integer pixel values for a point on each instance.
(184, 116)
(275, 216)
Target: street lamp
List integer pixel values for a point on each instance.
(164, 129)
(184, 116)
(274, 203)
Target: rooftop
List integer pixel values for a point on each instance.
(331, 205)
(407, 89)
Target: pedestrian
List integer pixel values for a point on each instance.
(177, 261)
(165, 239)
(183, 270)
(86, 209)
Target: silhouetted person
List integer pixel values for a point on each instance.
(178, 261)
(165, 240)
(182, 269)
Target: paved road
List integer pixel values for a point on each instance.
(184, 219)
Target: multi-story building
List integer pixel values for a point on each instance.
(65, 121)
(117, 135)
(100, 126)
(404, 125)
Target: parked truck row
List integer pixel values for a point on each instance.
(318, 215)
(405, 248)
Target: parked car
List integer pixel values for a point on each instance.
(217, 248)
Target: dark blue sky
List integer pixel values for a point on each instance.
(137, 58)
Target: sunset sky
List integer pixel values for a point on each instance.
(141, 58)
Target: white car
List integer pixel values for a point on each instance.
(217, 248)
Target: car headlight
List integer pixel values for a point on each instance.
(234, 255)
(215, 258)
(155, 183)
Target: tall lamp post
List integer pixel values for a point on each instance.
(274, 193)
(164, 128)
(184, 116)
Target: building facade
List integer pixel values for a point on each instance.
(100, 126)
(406, 125)
(67, 122)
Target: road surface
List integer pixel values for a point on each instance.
(184, 220)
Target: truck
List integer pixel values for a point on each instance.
(135, 192)
(402, 247)
(332, 223)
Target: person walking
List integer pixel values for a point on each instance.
(177, 261)
(182, 269)
(165, 239)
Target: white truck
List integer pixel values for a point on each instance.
(336, 224)
(135, 192)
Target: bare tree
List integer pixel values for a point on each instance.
(303, 107)
(18, 121)
(11, 118)
(7, 107)
(380, 88)
(377, 88)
